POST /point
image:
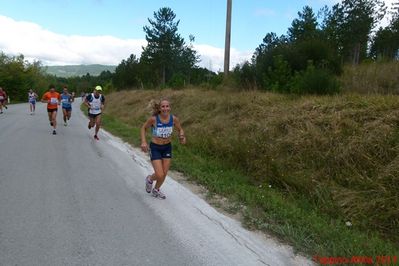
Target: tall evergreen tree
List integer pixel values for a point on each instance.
(394, 25)
(127, 73)
(166, 49)
(385, 45)
(304, 27)
(349, 25)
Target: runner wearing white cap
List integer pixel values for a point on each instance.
(95, 102)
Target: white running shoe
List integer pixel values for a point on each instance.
(158, 194)
(148, 184)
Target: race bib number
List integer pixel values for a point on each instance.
(95, 106)
(53, 100)
(164, 132)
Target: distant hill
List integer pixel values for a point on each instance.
(78, 70)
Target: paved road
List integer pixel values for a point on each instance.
(70, 200)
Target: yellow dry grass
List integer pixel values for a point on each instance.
(369, 78)
(341, 152)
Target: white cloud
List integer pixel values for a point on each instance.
(213, 58)
(37, 43)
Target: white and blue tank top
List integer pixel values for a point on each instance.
(95, 103)
(32, 97)
(163, 130)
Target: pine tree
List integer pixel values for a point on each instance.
(166, 50)
(349, 26)
(304, 27)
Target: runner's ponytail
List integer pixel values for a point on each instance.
(155, 106)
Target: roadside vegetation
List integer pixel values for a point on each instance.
(320, 172)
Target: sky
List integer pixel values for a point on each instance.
(70, 32)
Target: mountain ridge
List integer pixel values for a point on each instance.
(67, 71)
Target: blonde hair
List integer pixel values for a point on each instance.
(155, 105)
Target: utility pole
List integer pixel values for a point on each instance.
(227, 40)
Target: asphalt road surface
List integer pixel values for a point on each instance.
(68, 199)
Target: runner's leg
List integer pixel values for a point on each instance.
(54, 119)
(91, 121)
(98, 123)
(158, 175)
(64, 115)
(165, 164)
(50, 118)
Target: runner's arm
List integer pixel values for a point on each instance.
(44, 99)
(147, 124)
(86, 102)
(102, 103)
(182, 137)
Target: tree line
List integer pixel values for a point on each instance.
(307, 59)
(18, 75)
(311, 55)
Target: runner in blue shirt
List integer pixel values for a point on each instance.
(162, 123)
(66, 102)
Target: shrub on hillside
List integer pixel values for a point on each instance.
(315, 81)
(216, 80)
(244, 76)
(279, 76)
(177, 81)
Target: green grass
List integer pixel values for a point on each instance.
(125, 132)
(293, 217)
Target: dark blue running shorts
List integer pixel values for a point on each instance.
(159, 152)
(94, 115)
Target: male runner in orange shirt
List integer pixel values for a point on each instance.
(53, 99)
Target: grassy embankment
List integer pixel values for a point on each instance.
(321, 173)
(372, 78)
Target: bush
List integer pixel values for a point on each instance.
(278, 77)
(177, 81)
(315, 81)
(244, 76)
(216, 80)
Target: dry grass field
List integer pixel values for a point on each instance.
(340, 152)
(321, 172)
